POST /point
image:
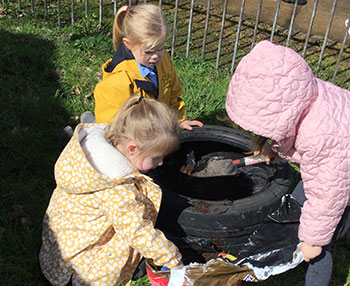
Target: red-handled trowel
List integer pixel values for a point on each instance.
(218, 164)
(245, 161)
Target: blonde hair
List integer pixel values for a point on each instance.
(259, 142)
(151, 124)
(142, 24)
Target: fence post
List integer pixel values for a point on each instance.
(32, 8)
(100, 13)
(59, 12)
(310, 27)
(72, 12)
(341, 50)
(257, 20)
(45, 9)
(174, 29)
(206, 29)
(326, 36)
(86, 8)
(221, 34)
(189, 30)
(291, 24)
(237, 36)
(275, 19)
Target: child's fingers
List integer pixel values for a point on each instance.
(196, 123)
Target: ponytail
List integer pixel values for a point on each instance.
(118, 26)
(142, 24)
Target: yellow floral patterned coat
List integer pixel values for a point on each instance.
(97, 226)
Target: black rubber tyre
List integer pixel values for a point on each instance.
(215, 220)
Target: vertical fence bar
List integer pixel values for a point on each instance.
(206, 28)
(100, 13)
(291, 24)
(174, 29)
(341, 51)
(45, 8)
(257, 20)
(237, 35)
(115, 7)
(189, 30)
(129, 3)
(326, 35)
(160, 3)
(72, 12)
(275, 19)
(221, 34)
(32, 8)
(86, 8)
(310, 28)
(59, 13)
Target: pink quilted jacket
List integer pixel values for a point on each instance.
(274, 93)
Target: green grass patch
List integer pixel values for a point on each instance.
(47, 78)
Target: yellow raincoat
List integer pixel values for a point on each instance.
(97, 227)
(122, 78)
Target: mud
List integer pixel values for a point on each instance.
(213, 168)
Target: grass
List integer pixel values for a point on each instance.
(47, 78)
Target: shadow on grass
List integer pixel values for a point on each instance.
(31, 119)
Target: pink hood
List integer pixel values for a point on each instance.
(274, 93)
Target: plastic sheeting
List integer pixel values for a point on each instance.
(272, 249)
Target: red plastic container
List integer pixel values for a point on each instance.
(157, 280)
(161, 281)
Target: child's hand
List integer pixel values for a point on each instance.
(267, 152)
(310, 252)
(177, 275)
(187, 124)
(179, 265)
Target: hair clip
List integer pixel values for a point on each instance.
(127, 9)
(140, 99)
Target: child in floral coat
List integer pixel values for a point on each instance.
(100, 220)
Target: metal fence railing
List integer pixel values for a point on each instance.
(210, 32)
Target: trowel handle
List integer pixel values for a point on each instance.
(250, 160)
(246, 161)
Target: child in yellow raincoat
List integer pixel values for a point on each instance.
(140, 65)
(100, 220)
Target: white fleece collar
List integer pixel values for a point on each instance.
(102, 156)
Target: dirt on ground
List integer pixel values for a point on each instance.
(220, 49)
(213, 168)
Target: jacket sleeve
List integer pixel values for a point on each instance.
(132, 220)
(110, 94)
(176, 101)
(325, 173)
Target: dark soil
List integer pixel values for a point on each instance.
(213, 168)
(207, 180)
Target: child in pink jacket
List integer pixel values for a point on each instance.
(273, 93)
